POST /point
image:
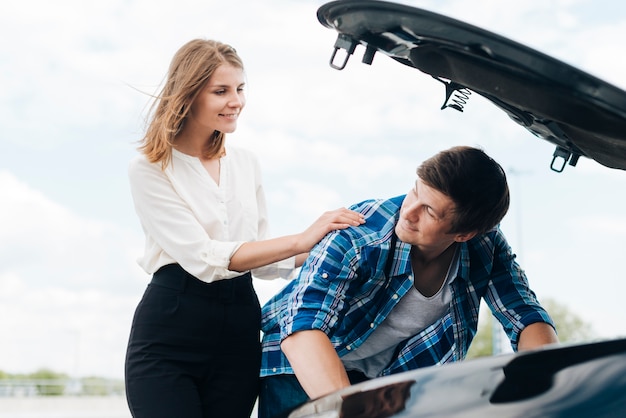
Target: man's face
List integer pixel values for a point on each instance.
(426, 218)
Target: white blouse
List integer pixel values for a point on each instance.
(189, 219)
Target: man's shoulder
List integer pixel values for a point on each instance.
(380, 215)
(484, 247)
(489, 238)
(371, 207)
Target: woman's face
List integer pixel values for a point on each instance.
(219, 103)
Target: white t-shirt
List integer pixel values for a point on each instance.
(188, 219)
(413, 313)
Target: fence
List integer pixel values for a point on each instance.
(61, 387)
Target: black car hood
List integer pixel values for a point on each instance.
(579, 113)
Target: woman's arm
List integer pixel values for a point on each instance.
(255, 254)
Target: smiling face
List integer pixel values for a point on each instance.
(221, 100)
(426, 218)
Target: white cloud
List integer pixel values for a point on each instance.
(75, 331)
(609, 226)
(68, 286)
(57, 247)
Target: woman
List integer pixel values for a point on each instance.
(194, 344)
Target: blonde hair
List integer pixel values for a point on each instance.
(191, 67)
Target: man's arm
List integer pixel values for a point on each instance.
(535, 335)
(512, 292)
(315, 362)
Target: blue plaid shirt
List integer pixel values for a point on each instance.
(343, 291)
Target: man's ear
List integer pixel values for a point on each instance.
(466, 236)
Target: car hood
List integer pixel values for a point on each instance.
(578, 380)
(580, 114)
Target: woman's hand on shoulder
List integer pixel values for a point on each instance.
(341, 218)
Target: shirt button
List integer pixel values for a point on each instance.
(349, 347)
(274, 369)
(372, 325)
(395, 296)
(324, 275)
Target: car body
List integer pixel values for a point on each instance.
(582, 116)
(581, 380)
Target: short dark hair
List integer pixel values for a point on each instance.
(474, 181)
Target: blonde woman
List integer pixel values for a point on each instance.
(194, 346)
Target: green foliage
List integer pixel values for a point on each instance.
(47, 374)
(569, 326)
(50, 383)
(45, 382)
(482, 345)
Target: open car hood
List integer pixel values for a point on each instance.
(579, 113)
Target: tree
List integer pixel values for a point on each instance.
(49, 383)
(569, 326)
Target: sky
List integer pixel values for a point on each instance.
(75, 85)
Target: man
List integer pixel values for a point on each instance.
(403, 290)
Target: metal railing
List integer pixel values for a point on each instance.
(61, 387)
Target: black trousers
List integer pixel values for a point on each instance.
(194, 349)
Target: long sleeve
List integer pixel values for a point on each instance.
(188, 219)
